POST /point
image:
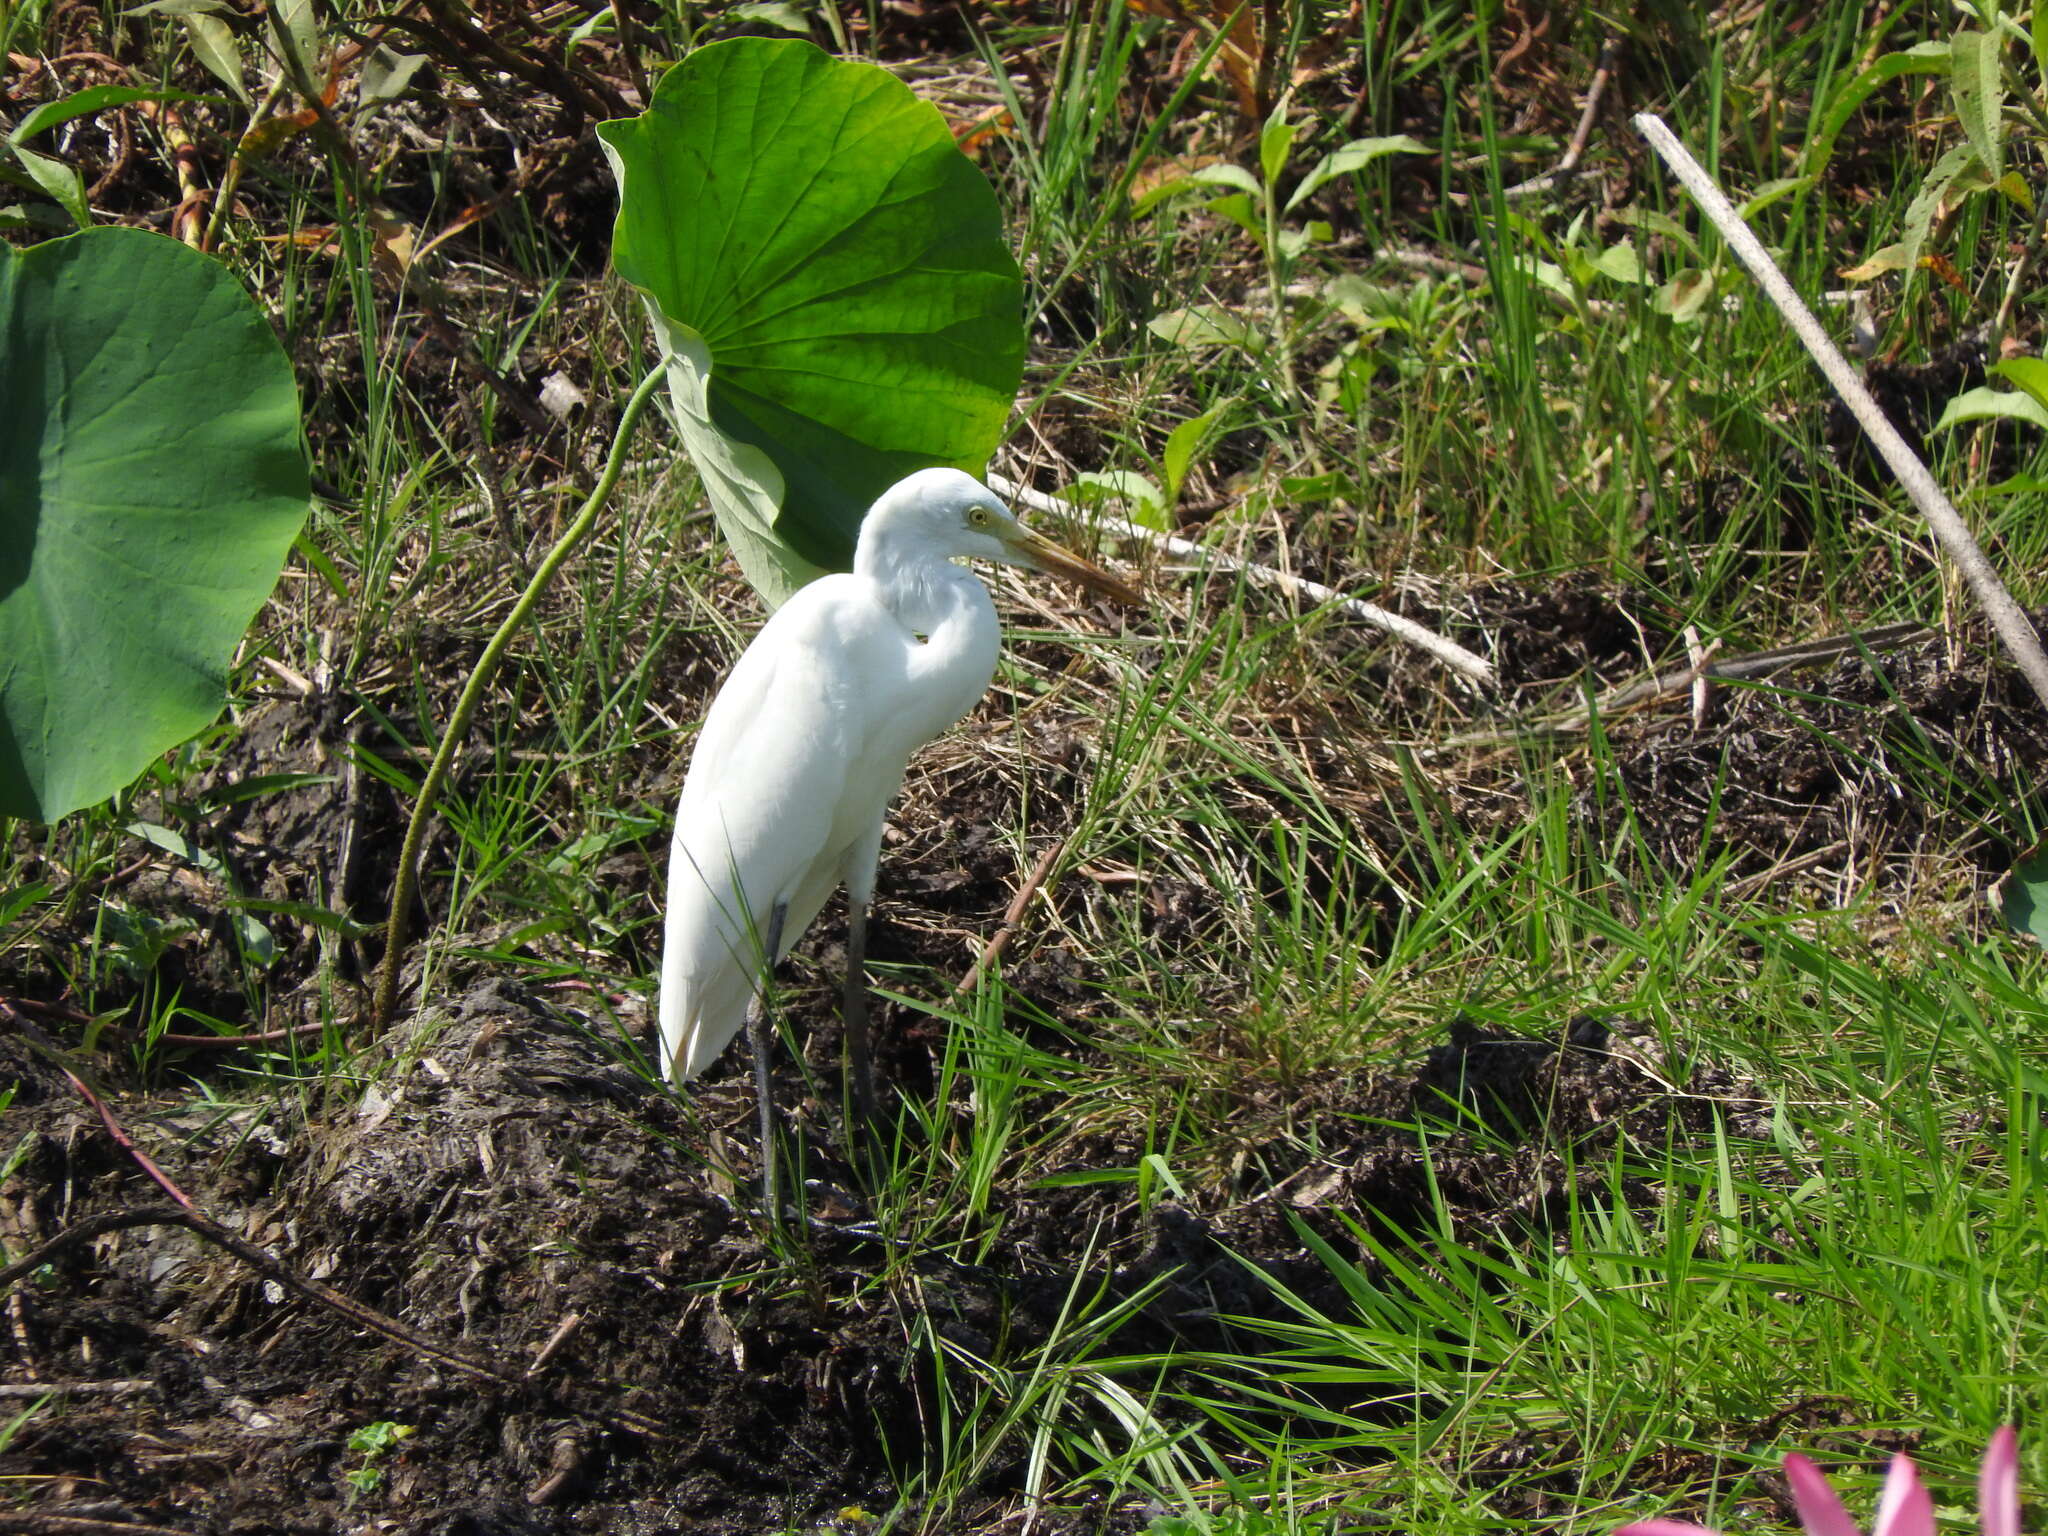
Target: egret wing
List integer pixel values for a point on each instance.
(783, 750)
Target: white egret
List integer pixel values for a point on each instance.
(805, 746)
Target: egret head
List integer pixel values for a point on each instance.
(951, 515)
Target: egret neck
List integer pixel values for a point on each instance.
(945, 603)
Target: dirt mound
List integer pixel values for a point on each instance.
(609, 1347)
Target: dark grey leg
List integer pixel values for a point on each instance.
(860, 1060)
(760, 1034)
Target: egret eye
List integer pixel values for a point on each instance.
(979, 517)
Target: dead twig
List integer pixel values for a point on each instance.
(581, 95)
(492, 474)
(444, 331)
(17, 1390)
(84, 1232)
(24, 1522)
(565, 1463)
(1007, 929)
(565, 1330)
(1602, 73)
(1449, 652)
(362, 1315)
(197, 1042)
(1661, 685)
(2007, 618)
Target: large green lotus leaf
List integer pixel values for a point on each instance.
(833, 269)
(151, 484)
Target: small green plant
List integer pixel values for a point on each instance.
(1251, 199)
(373, 1443)
(12, 1427)
(2002, 110)
(1151, 501)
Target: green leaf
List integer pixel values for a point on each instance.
(151, 482)
(203, 859)
(2030, 373)
(1362, 302)
(317, 561)
(213, 44)
(375, 1439)
(17, 901)
(1292, 242)
(301, 27)
(2020, 895)
(1275, 140)
(1651, 222)
(256, 939)
(94, 98)
(1889, 258)
(1685, 296)
(1958, 161)
(181, 8)
(1241, 211)
(2017, 485)
(832, 275)
(1772, 192)
(1189, 439)
(312, 914)
(1234, 176)
(1202, 325)
(1985, 404)
(773, 13)
(386, 75)
(59, 180)
(1314, 490)
(1621, 263)
(1141, 499)
(256, 785)
(1976, 80)
(1929, 58)
(1551, 276)
(1355, 156)
(2012, 186)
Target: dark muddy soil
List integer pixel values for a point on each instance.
(596, 1347)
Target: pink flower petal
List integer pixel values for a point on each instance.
(1904, 1508)
(1820, 1508)
(1998, 1485)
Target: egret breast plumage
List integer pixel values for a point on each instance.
(806, 744)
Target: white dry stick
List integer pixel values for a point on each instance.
(1449, 652)
(2005, 614)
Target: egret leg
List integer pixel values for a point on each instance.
(860, 1060)
(760, 1035)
